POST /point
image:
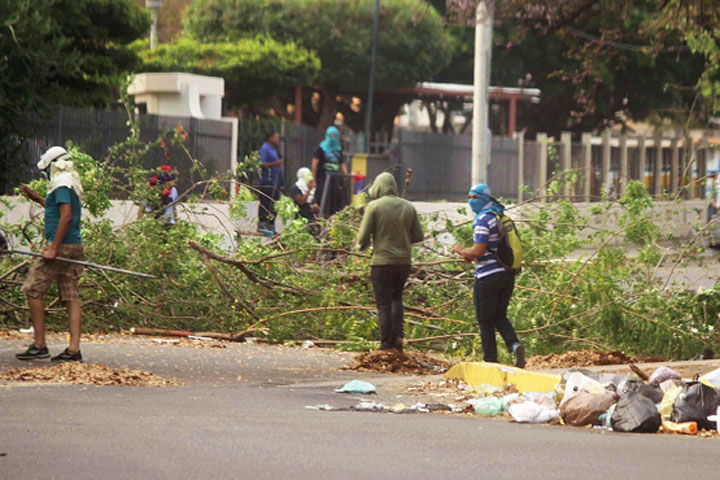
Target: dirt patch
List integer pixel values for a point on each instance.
(404, 363)
(582, 358)
(87, 374)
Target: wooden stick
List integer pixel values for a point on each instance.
(14, 269)
(225, 289)
(181, 333)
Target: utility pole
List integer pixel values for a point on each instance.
(368, 114)
(154, 6)
(481, 82)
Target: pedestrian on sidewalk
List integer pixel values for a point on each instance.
(493, 284)
(392, 225)
(271, 181)
(62, 233)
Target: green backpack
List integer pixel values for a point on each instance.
(509, 253)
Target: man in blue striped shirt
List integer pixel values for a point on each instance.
(493, 284)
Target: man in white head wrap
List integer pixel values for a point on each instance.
(62, 234)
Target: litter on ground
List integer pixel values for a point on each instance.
(641, 402)
(356, 386)
(393, 361)
(87, 374)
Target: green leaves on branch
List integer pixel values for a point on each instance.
(254, 69)
(412, 43)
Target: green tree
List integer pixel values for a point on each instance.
(412, 44)
(614, 58)
(71, 52)
(256, 70)
(598, 61)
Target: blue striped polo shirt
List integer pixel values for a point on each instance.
(485, 230)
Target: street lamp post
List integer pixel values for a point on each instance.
(154, 6)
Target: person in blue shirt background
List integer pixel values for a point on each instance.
(271, 181)
(493, 285)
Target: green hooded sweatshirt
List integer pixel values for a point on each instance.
(390, 222)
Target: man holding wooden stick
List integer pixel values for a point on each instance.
(62, 233)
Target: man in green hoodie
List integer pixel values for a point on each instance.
(392, 225)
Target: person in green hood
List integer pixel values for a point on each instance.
(392, 225)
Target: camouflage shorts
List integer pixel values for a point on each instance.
(44, 272)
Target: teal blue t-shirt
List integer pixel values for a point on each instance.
(52, 214)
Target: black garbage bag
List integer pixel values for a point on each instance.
(653, 392)
(695, 403)
(635, 413)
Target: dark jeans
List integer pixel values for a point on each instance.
(388, 283)
(492, 296)
(336, 196)
(268, 195)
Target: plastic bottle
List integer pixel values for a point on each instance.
(685, 427)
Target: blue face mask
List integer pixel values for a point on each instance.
(484, 202)
(476, 204)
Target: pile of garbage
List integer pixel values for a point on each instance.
(622, 403)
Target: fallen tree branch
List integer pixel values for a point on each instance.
(252, 276)
(182, 333)
(14, 269)
(225, 289)
(441, 337)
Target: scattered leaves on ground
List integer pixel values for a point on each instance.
(87, 374)
(581, 358)
(122, 337)
(393, 361)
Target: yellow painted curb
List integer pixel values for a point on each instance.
(483, 373)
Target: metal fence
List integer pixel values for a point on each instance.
(442, 168)
(441, 163)
(667, 165)
(95, 131)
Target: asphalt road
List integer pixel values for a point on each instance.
(257, 427)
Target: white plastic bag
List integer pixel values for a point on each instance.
(712, 378)
(531, 412)
(577, 383)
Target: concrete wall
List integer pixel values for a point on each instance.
(676, 218)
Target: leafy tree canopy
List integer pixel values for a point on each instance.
(71, 52)
(412, 44)
(620, 59)
(64, 51)
(254, 69)
(598, 61)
